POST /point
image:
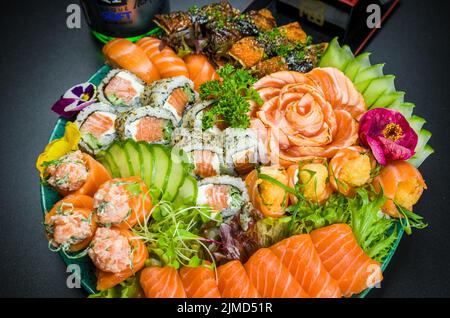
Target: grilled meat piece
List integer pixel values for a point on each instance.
(173, 22)
(263, 19)
(293, 32)
(267, 67)
(247, 52)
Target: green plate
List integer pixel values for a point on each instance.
(49, 197)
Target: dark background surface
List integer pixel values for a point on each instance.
(40, 58)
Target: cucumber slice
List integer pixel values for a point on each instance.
(121, 159)
(391, 99)
(335, 56)
(362, 86)
(187, 194)
(362, 61)
(176, 176)
(417, 123)
(107, 160)
(101, 157)
(405, 108)
(420, 157)
(424, 137)
(368, 73)
(161, 168)
(379, 86)
(146, 163)
(134, 157)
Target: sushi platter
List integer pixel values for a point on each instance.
(227, 156)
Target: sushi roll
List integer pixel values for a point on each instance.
(172, 94)
(150, 124)
(240, 150)
(121, 89)
(204, 151)
(224, 194)
(97, 126)
(193, 118)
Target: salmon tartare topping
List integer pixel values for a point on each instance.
(68, 173)
(110, 251)
(69, 229)
(112, 203)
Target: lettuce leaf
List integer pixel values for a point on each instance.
(374, 232)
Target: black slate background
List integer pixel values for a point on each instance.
(40, 58)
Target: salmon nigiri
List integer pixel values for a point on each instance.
(127, 55)
(234, 281)
(271, 278)
(402, 183)
(162, 282)
(200, 69)
(299, 256)
(168, 63)
(345, 260)
(199, 282)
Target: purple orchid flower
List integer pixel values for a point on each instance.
(75, 99)
(388, 134)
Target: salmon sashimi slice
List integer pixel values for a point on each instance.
(162, 282)
(274, 82)
(120, 88)
(97, 124)
(200, 70)
(345, 260)
(339, 90)
(402, 183)
(299, 256)
(150, 129)
(204, 166)
(178, 100)
(234, 281)
(217, 196)
(125, 54)
(199, 282)
(168, 63)
(271, 278)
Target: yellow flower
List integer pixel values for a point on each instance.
(59, 147)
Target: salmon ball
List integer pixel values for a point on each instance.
(313, 177)
(356, 171)
(68, 173)
(110, 251)
(408, 193)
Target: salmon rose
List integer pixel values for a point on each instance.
(299, 121)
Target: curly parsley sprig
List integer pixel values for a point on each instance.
(232, 95)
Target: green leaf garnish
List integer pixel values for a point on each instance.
(232, 96)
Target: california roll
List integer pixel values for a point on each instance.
(121, 89)
(150, 124)
(172, 94)
(224, 194)
(97, 126)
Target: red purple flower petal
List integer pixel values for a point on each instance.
(399, 146)
(75, 99)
